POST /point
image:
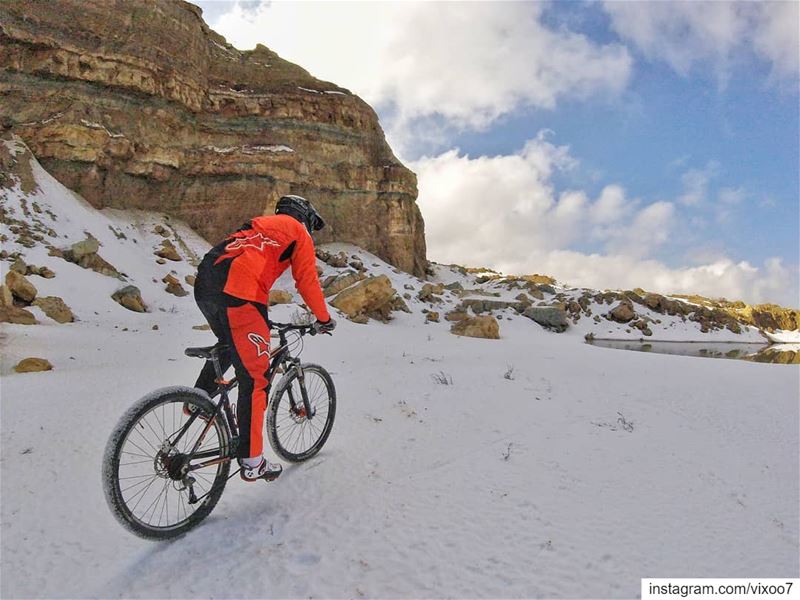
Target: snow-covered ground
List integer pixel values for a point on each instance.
(544, 468)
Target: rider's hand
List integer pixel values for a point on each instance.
(324, 326)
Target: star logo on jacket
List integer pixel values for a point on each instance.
(255, 240)
(262, 345)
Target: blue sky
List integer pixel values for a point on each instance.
(610, 144)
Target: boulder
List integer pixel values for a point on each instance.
(454, 286)
(280, 297)
(479, 327)
(20, 287)
(33, 365)
(43, 272)
(190, 279)
(546, 288)
(432, 317)
(481, 306)
(430, 291)
(174, 286)
(338, 283)
(168, 251)
(16, 315)
(371, 298)
(623, 312)
(553, 318)
(80, 249)
(55, 308)
(573, 307)
(98, 264)
(399, 304)
(653, 302)
(534, 291)
(131, 298)
(457, 315)
(19, 266)
(337, 261)
(6, 298)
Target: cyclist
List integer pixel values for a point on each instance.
(232, 291)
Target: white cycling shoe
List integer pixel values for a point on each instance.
(264, 470)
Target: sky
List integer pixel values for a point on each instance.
(609, 144)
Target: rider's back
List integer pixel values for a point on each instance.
(247, 263)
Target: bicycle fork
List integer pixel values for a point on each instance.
(307, 410)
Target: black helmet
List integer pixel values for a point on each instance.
(302, 210)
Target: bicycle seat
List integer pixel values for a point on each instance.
(206, 352)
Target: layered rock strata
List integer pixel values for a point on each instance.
(138, 104)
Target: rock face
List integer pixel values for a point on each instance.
(138, 104)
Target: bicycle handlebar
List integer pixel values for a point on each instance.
(284, 327)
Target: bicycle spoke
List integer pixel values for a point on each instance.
(155, 433)
(140, 455)
(141, 462)
(154, 477)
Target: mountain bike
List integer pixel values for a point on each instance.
(168, 459)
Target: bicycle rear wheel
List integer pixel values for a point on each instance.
(144, 478)
(292, 434)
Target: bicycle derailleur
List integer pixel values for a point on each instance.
(171, 464)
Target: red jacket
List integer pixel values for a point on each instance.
(261, 254)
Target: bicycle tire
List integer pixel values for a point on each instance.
(118, 441)
(279, 404)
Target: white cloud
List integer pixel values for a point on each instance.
(695, 184)
(719, 33)
(503, 212)
(467, 62)
(729, 200)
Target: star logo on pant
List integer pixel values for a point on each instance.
(262, 345)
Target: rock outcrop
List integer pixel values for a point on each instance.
(138, 104)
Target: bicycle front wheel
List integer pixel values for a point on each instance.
(148, 477)
(294, 435)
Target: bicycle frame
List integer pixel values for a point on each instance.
(278, 358)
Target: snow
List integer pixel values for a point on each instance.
(276, 148)
(784, 337)
(614, 465)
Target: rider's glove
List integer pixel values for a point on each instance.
(324, 326)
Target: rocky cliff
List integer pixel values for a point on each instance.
(138, 104)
